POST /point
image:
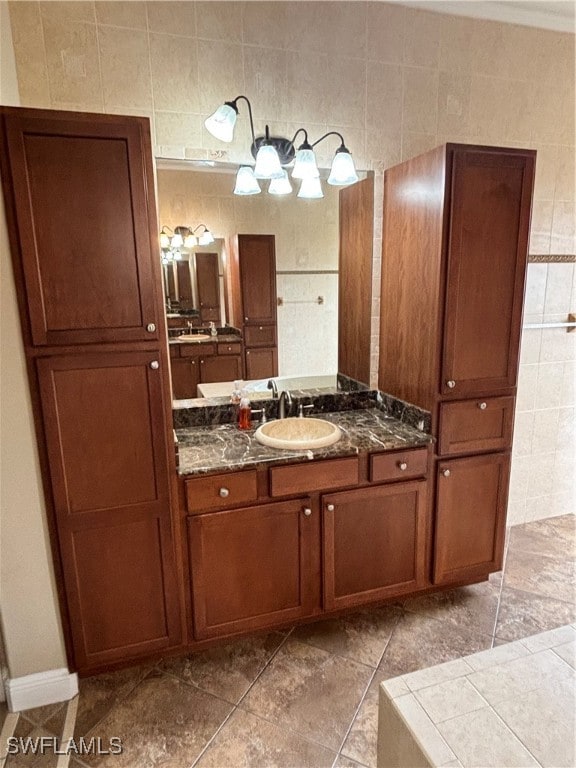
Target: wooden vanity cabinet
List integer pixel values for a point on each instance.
(253, 567)
(203, 363)
(208, 281)
(185, 377)
(454, 255)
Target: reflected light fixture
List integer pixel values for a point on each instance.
(172, 240)
(280, 186)
(274, 153)
(310, 189)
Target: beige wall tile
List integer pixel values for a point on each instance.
(68, 11)
(566, 440)
(523, 428)
(541, 480)
(343, 26)
(549, 386)
(558, 288)
(179, 129)
(345, 91)
(125, 65)
(175, 18)
(307, 77)
(28, 39)
(386, 24)
(267, 24)
(420, 103)
(220, 73)
(546, 171)
(384, 97)
(535, 294)
(174, 62)
(422, 41)
(265, 73)
(565, 174)
(122, 14)
(456, 51)
(73, 65)
(488, 48)
(219, 21)
(541, 226)
(563, 228)
(454, 105)
(416, 143)
(530, 344)
(527, 380)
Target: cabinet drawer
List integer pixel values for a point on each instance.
(174, 350)
(197, 349)
(230, 349)
(476, 425)
(305, 478)
(398, 465)
(259, 335)
(220, 491)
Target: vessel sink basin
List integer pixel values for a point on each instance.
(298, 433)
(194, 337)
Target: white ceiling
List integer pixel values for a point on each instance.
(547, 14)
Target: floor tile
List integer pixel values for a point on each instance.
(473, 608)
(567, 652)
(226, 671)
(543, 575)
(420, 641)
(361, 636)
(164, 721)
(554, 537)
(346, 762)
(309, 691)
(247, 741)
(360, 744)
(523, 613)
(39, 715)
(46, 759)
(98, 695)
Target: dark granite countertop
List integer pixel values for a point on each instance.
(224, 338)
(222, 447)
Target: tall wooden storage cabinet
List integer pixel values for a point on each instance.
(251, 299)
(79, 195)
(455, 241)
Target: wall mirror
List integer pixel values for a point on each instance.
(306, 235)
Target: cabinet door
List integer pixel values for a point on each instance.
(185, 377)
(220, 368)
(82, 194)
(374, 543)
(471, 498)
(491, 197)
(107, 448)
(257, 260)
(261, 363)
(252, 567)
(208, 281)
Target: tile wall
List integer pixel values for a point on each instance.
(395, 80)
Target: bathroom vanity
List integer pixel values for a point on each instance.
(152, 560)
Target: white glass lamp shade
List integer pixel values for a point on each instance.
(177, 256)
(206, 238)
(164, 240)
(221, 123)
(177, 241)
(343, 170)
(189, 241)
(164, 259)
(169, 255)
(246, 183)
(268, 163)
(311, 189)
(280, 186)
(305, 166)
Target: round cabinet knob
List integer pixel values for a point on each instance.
(446, 472)
(154, 365)
(259, 327)
(451, 384)
(482, 406)
(224, 493)
(229, 349)
(246, 319)
(330, 507)
(193, 362)
(150, 327)
(247, 351)
(307, 511)
(201, 362)
(402, 465)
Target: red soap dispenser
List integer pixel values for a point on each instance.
(244, 412)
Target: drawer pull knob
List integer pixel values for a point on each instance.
(330, 507)
(451, 384)
(154, 365)
(402, 465)
(259, 327)
(224, 493)
(307, 511)
(446, 472)
(150, 327)
(482, 406)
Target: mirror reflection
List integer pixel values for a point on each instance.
(269, 281)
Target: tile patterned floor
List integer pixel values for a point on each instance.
(308, 698)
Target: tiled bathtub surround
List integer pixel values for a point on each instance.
(543, 480)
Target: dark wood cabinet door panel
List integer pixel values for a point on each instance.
(487, 254)
(83, 201)
(106, 438)
(261, 363)
(374, 543)
(471, 426)
(260, 335)
(208, 280)
(471, 498)
(220, 368)
(257, 259)
(252, 567)
(185, 377)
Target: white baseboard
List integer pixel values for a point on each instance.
(42, 688)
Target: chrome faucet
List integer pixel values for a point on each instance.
(274, 387)
(284, 404)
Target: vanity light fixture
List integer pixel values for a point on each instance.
(273, 153)
(280, 186)
(171, 240)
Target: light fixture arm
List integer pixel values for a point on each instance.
(332, 133)
(247, 100)
(305, 132)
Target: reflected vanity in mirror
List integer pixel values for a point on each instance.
(290, 277)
